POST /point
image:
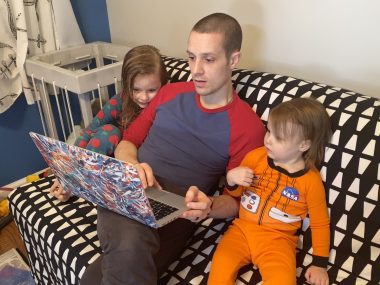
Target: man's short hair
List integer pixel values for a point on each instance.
(222, 23)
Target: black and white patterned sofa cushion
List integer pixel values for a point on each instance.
(61, 237)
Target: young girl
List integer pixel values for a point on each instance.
(279, 185)
(143, 73)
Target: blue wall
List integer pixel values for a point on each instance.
(19, 157)
(92, 18)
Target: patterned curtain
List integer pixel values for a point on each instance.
(28, 28)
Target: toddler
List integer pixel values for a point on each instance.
(279, 185)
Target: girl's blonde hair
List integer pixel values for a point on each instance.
(307, 117)
(140, 60)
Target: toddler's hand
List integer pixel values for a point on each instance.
(241, 175)
(316, 275)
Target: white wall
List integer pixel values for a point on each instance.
(336, 42)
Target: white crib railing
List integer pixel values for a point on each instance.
(85, 70)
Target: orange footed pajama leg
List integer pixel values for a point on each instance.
(231, 254)
(277, 262)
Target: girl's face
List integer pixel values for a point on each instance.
(145, 87)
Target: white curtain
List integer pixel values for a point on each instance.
(28, 28)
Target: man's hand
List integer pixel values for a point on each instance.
(241, 175)
(317, 276)
(198, 204)
(146, 175)
(58, 192)
(127, 151)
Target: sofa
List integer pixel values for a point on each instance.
(61, 238)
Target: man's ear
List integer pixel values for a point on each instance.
(305, 145)
(235, 58)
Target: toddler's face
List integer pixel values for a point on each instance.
(283, 148)
(145, 87)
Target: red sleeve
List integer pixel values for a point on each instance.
(139, 128)
(247, 133)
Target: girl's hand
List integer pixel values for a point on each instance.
(58, 192)
(316, 275)
(241, 175)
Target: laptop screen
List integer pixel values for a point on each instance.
(102, 180)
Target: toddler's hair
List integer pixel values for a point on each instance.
(308, 117)
(140, 60)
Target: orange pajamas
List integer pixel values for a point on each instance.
(271, 211)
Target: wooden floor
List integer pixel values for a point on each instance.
(10, 237)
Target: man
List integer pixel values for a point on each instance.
(184, 141)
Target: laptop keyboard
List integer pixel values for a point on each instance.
(160, 209)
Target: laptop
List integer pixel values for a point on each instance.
(110, 183)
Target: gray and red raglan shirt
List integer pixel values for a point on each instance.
(189, 144)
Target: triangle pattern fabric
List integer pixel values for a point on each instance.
(62, 241)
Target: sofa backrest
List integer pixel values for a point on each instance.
(350, 169)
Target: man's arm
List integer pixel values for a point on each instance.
(224, 206)
(200, 206)
(127, 151)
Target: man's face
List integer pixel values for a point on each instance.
(210, 69)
